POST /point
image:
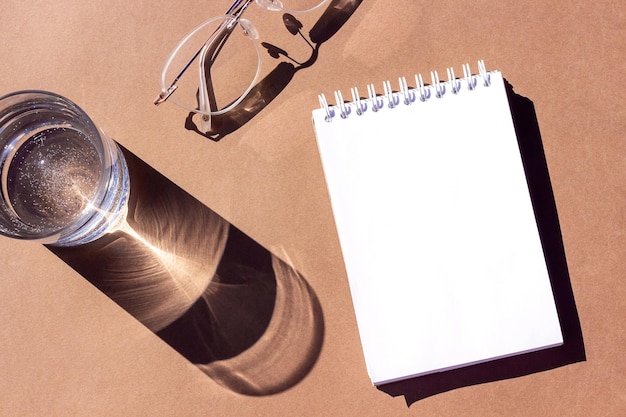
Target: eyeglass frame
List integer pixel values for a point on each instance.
(212, 48)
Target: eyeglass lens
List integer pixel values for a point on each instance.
(228, 75)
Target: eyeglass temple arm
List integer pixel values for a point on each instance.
(236, 10)
(209, 54)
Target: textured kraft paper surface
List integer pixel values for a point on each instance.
(66, 349)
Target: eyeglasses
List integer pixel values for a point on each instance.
(221, 84)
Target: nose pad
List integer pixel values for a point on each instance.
(248, 29)
(275, 5)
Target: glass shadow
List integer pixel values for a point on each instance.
(573, 349)
(246, 318)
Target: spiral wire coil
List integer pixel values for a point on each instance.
(405, 95)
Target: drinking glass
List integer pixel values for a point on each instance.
(63, 181)
(220, 299)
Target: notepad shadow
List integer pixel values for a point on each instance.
(572, 350)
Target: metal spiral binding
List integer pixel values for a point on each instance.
(406, 95)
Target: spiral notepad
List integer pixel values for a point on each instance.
(436, 224)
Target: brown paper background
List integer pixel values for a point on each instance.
(66, 349)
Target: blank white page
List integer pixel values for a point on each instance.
(437, 231)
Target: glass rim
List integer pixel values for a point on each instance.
(22, 101)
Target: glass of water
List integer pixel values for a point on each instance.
(63, 181)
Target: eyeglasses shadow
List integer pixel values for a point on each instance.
(265, 91)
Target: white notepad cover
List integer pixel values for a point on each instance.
(437, 232)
